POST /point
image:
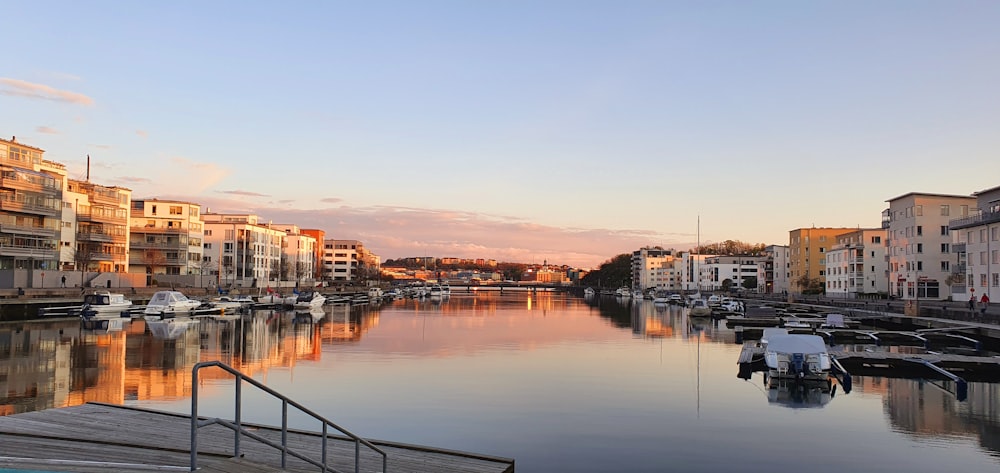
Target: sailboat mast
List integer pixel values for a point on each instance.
(88, 168)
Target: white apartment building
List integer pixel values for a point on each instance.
(340, 259)
(856, 266)
(653, 267)
(738, 270)
(246, 253)
(166, 238)
(691, 272)
(919, 243)
(774, 273)
(976, 237)
(298, 256)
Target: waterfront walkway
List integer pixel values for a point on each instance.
(98, 437)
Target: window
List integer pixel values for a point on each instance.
(995, 256)
(945, 210)
(982, 280)
(920, 265)
(208, 233)
(876, 239)
(944, 247)
(176, 210)
(945, 266)
(982, 257)
(920, 247)
(964, 210)
(995, 233)
(944, 230)
(153, 210)
(920, 210)
(920, 230)
(996, 279)
(208, 246)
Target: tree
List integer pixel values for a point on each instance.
(809, 285)
(727, 284)
(615, 272)
(750, 283)
(83, 257)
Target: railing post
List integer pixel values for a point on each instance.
(325, 429)
(194, 418)
(239, 417)
(284, 432)
(357, 456)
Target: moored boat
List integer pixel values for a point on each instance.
(104, 304)
(309, 300)
(168, 303)
(800, 357)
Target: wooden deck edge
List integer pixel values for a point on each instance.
(36, 462)
(381, 443)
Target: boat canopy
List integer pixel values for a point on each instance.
(796, 344)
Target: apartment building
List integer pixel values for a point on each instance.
(739, 271)
(773, 272)
(247, 253)
(298, 261)
(167, 237)
(976, 244)
(807, 249)
(856, 266)
(98, 217)
(919, 242)
(31, 207)
(653, 267)
(318, 237)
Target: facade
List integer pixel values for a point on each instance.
(31, 207)
(690, 272)
(652, 267)
(318, 237)
(774, 271)
(167, 237)
(101, 227)
(807, 249)
(246, 253)
(298, 261)
(340, 260)
(919, 243)
(740, 271)
(976, 244)
(856, 266)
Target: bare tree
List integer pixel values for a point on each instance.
(83, 257)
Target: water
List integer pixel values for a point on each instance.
(547, 379)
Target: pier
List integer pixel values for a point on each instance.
(97, 437)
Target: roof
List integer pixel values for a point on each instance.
(930, 194)
(796, 344)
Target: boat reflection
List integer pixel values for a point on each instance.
(170, 329)
(799, 395)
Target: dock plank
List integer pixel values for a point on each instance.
(118, 434)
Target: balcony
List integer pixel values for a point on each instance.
(984, 218)
(45, 231)
(958, 268)
(158, 230)
(156, 260)
(162, 245)
(18, 203)
(958, 247)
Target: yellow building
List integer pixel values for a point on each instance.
(807, 249)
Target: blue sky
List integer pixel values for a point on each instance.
(567, 131)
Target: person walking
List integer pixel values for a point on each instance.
(984, 302)
(64, 281)
(972, 302)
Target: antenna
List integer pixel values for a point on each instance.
(88, 168)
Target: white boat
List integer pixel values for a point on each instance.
(436, 291)
(800, 357)
(375, 293)
(309, 300)
(168, 303)
(445, 290)
(231, 304)
(589, 292)
(700, 308)
(623, 292)
(104, 304)
(277, 299)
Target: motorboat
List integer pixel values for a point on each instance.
(799, 357)
(700, 308)
(309, 300)
(230, 304)
(623, 292)
(589, 292)
(168, 303)
(436, 291)
(661, 298)
(676, 299)
(375, 293)
(445, 290)
(274, 298)
(104, 304)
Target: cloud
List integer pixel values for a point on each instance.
(20, 88)
(396, 231)
(133, 180)
(142, 133)
(244, 193)
(331, 200)
(100, 146)
(47, 130)
(286, 201)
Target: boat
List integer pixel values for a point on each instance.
(309, 300)
(589, 292)
(676, 299)
(277, 299)
(104, 304)
(231, 304)
(168, 303)
(436, 291)
(700, 308)
(799, 357)
(623, 292)
(375, 293)
(445, 290)
(661, 298)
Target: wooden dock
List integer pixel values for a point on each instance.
(98, 437)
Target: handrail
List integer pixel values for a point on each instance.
(237, 425)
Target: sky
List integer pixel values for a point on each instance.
(565, 132)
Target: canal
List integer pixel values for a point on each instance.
(556, 382)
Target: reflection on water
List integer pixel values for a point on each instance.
(551, 380)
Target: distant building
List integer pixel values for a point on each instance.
(319, 236)
(919, 246)
(247, 253)
(652, 267)
(976, 244)
(856, 266)
(740, 271)
(31, 208)
(298, 261)
(341, 260)
(807, 249)
(167, 237)
(774, 271)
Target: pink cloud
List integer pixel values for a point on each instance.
(21, 88)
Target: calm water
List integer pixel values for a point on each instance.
(553, 381)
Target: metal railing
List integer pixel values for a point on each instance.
(237, 424)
